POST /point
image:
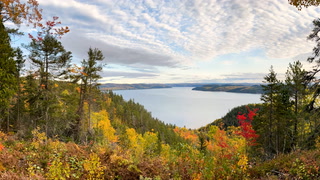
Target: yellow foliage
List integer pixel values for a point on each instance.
(58, 170)
(2, 168)
(150, 142)
(101, 121)
(65, 92)
(85, 126)
(56, 145)
(108, 131)
(237, 143)
(34, 169)
(242, 166)
(212, 131)
(108, 101)
(3, 136)
(243, 162)
(35, 145)
(93, 167)
(165, 151)
(38, 138)
(119, 160)
(135, 142)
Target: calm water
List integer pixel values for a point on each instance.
(183, 107)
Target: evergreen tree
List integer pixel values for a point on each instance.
(19, 59)
(88, 82)
(50, 57)
(295, 80)
(8, 71)
(270, 91)
(16, 12)
(311, 76)
(283, 118)
(52, 61)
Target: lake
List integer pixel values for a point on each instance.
(187, 108)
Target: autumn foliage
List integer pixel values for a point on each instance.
(245, 123)
(18, 12)
(70, 129)
(49, 28)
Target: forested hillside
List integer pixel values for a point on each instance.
(57, 124)
(229, 119)
(253, 89)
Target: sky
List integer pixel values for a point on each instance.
(186, 41)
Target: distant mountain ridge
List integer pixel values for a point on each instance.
(113, 86)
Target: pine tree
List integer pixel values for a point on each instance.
(52, 61)
(88, 82)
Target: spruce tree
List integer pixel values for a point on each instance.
(296, 81)
(270, 92)
(8, 71)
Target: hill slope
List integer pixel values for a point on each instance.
(254, 89)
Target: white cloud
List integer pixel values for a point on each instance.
(159, 33)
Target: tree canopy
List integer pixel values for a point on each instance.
(304, 3)
(18, 12)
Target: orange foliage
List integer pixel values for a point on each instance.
(75, 69)
(221, 138)
(78, 89)
(186, 134)
(83, 73)
(50, 28)
(1, 147)
(18, 12)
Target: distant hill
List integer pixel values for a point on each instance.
(235, 88)
(242, 88)
(112, 86)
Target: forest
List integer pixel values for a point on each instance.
(57, 124)
(235, 88)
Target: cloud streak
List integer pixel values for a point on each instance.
(127, 74)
